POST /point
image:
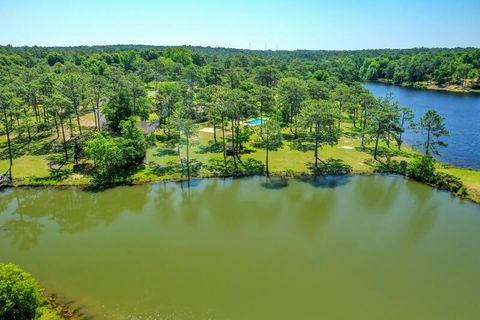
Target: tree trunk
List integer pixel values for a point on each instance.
(237, 136)
(233, 146)
(78, 121)
(316, 148)
(64, 140)
(28, 127)
(188, 157)
(56, 126)
(34, 107)
(224, 147)
(214, 132)
(98, 115)
(95, 117)
(44, 115)
(340, 115)
(400, 134)
(267, 171)
(427, 145)
(376, 144)
(10, 157)
(364, 126)
(71, 126)
(261, 118)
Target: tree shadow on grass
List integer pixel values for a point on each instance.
(162, 170)
(161, 152)
(385, 152)
(245, 167)
(212, 147)
(36, 146)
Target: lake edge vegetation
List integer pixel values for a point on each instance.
(21, 297)
(131, 114)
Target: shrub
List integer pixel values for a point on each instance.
(444, 181)
(331, 167)
(20, 295)
(422, 169)
(47, 312)
(392, 166)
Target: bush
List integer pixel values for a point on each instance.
(20, 295)
(47, 312)
(392, 166)
(422, 169)
(332, 167)
(444, 181)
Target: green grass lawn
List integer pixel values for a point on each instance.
(27, 166)
(282, 160)
(470, 178)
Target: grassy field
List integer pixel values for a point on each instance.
(33, 161)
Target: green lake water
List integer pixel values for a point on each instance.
(365, 247)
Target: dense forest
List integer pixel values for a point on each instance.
(140, 95)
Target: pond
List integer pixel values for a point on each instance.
(363, 247)
(462, 119)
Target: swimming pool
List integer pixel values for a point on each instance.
(255, 122)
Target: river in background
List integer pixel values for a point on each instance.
(363, 247)
(462, 119)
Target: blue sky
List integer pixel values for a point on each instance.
(281, 24)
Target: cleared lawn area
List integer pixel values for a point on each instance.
(27, 166)
(470, 178)
(284, 159)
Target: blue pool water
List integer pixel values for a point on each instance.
(255, 122)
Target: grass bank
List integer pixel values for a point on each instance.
(34, 165)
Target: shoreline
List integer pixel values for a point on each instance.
(430, 87)
(91, 187)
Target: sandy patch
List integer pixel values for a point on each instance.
(207, 130)
(347, 147)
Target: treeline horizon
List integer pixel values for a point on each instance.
(130, 46)
(413, 66)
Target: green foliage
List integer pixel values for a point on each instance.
(132, 143)
(112, 155)
(292, 92)
(441, 66)
(422, 169)
(444, 181)
(47, 312)
(433, 126)
(268, 135)
(392, 166)
(318, 121)
(20, 295)
(383, 123)
(180, 55)
(54, 58)
(122, 106)
(331, 167)
(107, 157)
